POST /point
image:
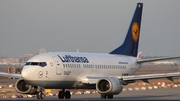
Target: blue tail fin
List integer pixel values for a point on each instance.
(130, 45)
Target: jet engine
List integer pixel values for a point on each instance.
(22, 87)
(109, 85)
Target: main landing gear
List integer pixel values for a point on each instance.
(40, 95)
(103, 96)
(62, 94)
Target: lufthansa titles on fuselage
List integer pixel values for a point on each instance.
(123, 62)
(69, 58)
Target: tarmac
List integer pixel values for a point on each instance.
(153, 94)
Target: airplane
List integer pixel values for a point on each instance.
(107, 73)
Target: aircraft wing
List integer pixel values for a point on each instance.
(151, 76)
(145, 78)
(156, 59)
(10, 75)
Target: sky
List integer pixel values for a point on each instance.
(96, 26)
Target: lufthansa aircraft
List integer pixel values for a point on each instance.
(107, 73)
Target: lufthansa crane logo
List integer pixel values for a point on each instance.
(135, 31)
(40, 74)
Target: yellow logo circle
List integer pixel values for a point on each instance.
(135, 31)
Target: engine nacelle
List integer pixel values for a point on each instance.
(109, 85)
(22, 87)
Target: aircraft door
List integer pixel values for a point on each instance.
(57, 65)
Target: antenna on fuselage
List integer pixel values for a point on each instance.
(77, 50)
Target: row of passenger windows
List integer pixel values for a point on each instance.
(94, 66)
(71, 65)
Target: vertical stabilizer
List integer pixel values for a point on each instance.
(130, 45)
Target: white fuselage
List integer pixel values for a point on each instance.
(66, 69)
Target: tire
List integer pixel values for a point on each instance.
(37, 95)
(61, 95)
(41, 95)
(110, 96)
(103, 96)
(67, 95)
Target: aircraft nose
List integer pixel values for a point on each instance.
(27, 73)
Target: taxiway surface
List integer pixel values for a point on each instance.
(154, 94)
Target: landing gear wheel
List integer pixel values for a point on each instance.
(61, 95)
(103, 96)
(40, 95)
(67, 95)
(37, 95)
(110, 96)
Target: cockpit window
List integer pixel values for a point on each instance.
(28, 63)
(42, 64)
(34, 63)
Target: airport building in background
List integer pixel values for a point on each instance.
(21, 60)
(42, 50)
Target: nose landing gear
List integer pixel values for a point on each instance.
(40, 95)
